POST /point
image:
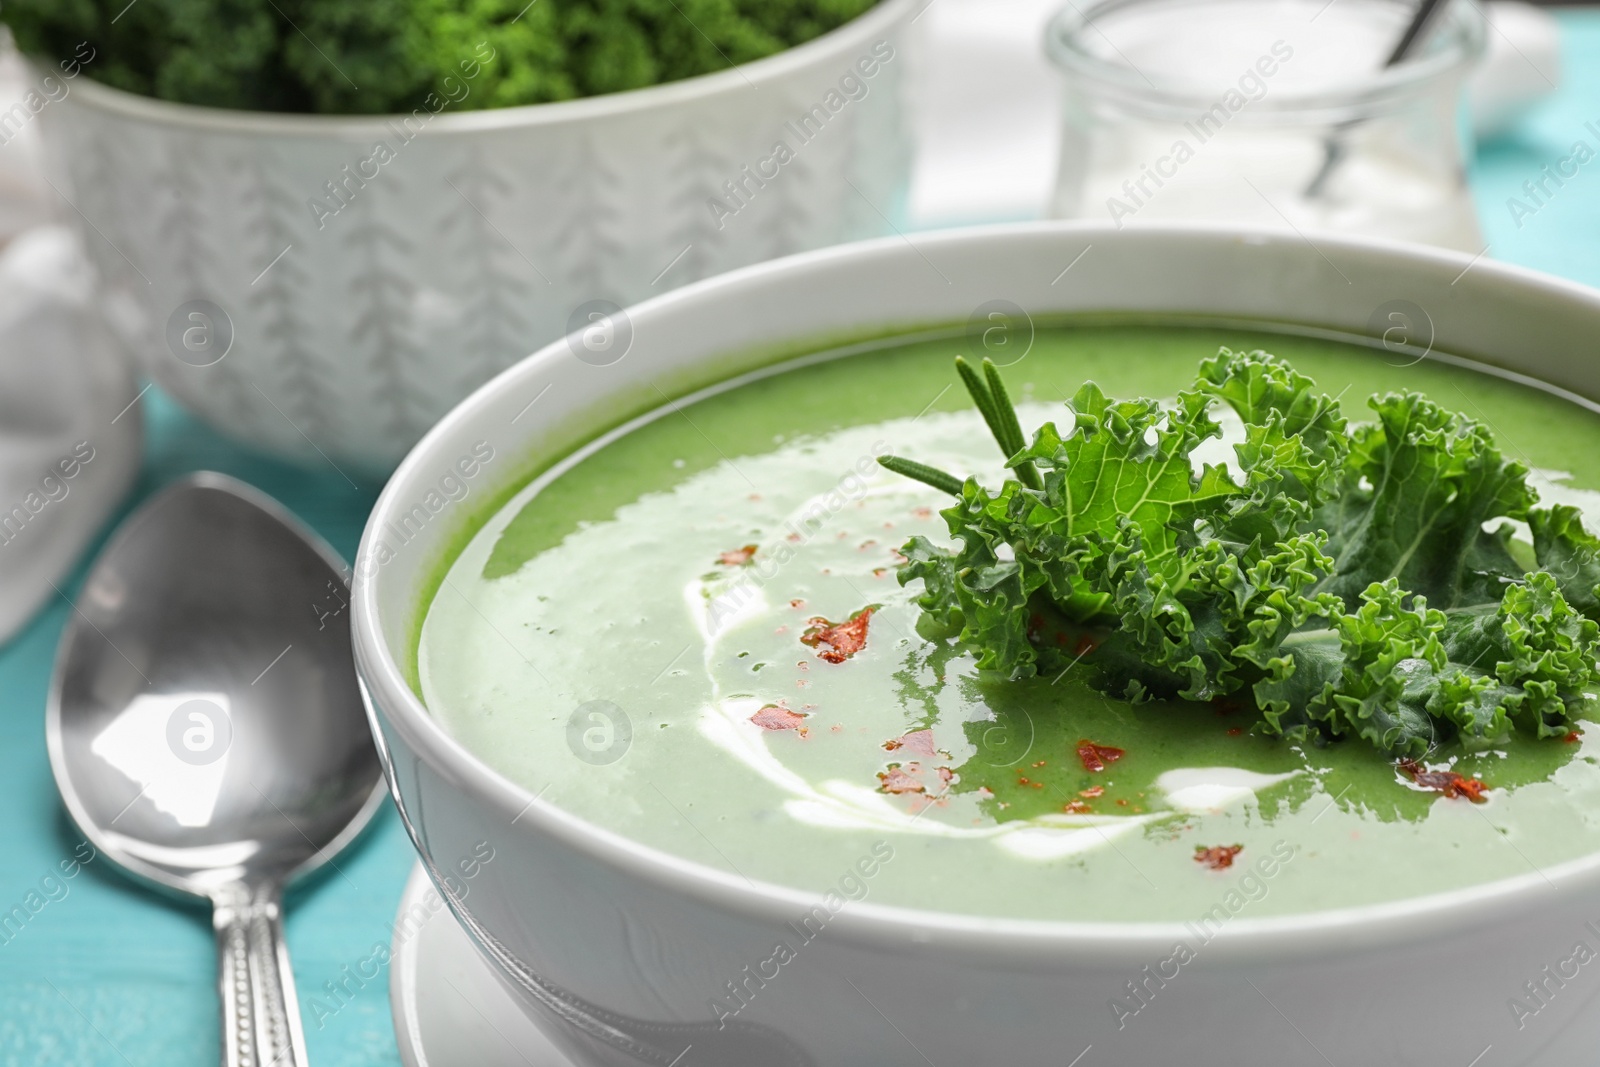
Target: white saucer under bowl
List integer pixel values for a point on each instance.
(449, 1010)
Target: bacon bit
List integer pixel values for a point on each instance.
(1023, 781)
(985, 793)
(922, 513)
(879, 572)
(896, 555)
(1085, 645)
(802, 665)
(1217, 857)
(844, 639)
(836, 728)
(1471, 788)
(796, 603)
(776, 717)
(888, 526)
(1235, 731)
(793, 538)
(868, 543)
(1077, 807)
(1095, 757)
(916, 743)
(1092, 792)
(1447, 782)
(946, 775)
(1572, 738)
(739, 557)
(897, 781)
(755, 496)
(1122, 803)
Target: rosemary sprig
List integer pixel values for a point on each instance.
(923, 473)
(994, 404)
(1011, 439)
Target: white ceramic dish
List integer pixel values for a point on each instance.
(469, 248)
(449, 1008)
(617, 949)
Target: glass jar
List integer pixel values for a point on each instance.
(1277, 113)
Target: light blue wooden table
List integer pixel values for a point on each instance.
(107, 974)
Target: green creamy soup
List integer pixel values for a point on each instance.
(626, 638)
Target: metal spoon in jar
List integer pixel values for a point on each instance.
(207, 733)
(1409, 44)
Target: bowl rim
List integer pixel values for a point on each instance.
(390, 697)
(883, 19)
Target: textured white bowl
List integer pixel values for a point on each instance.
(472, 246)
(619, 949)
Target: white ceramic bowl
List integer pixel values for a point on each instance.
(619, 949)
(469, 248)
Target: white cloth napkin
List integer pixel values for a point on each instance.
(988, 116)
(70, 433)
(24, 196)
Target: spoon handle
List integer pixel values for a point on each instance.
(260, 1012)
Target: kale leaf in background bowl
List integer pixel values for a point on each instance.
(382, 56)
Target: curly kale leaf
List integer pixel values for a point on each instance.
(226, 53)
(1419, 485)
(388, 56)
(1345, 582)
(1120, 475)
(1214, 625)
(1295, 440)
(1537, 647)
(1570, 553)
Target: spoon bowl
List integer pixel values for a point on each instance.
(206, 730)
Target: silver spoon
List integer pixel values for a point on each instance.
(207, 733)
